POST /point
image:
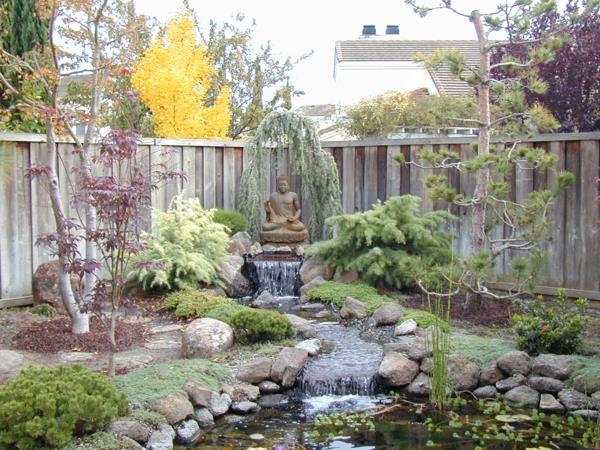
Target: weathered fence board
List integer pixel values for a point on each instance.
(367, 172)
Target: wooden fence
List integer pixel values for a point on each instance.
(367, 172)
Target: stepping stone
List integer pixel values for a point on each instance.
(549, 404)
(69, 357)
(166, 328)
(163, 344)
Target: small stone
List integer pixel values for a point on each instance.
(491, 375)
(255, 371)
(268, 387)
(353, 309)
(549, 404)
(586, 413)
(240, 392)
(574, 400)
(160, 440)
(485, 392)
(188, 432)
(245, 407)
(387, 314)
(132, 429)
(511, 382)
(545, 384)
(324, 315)
(514, 362)
(523, 396)
(553, 366)
(219, 404)
(70, 357)
(420, 386)
(273, 400)
(257, 436)
(234, 419)
(312, 346)
(204, 418)
(407, 327)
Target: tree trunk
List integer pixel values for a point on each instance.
(113, 342)
(80, 320)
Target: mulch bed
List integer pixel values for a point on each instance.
(483, 311)
(54, 335)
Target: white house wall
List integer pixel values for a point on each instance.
(357, 80)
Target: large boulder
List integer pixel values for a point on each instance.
(387, 314)
(174, 407)
(545, 384)
(353, 309)
(463, 375)
(302, 327)
(506, 384)
(416, 348)
(553, 366)
(586, 383)
(549, 404)
(235, 283)
(255, 371)
(305, 289)
(514, 362)
(420, 386)
(287, 365)
(314, 267)
(397, 370)
(132, 429)
(205, 337)
(241, 392)
(523, 396)
(574, 400)
(240, 243)
(491, 375)
(44, 285)
(198, 394)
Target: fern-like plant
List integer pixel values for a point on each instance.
(186, 249)
(391, 244)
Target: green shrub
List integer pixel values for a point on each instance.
(425, 319)
(44, 407)
(335, 293)
(44, 309)
(391, 244)
(225, 313)
(551, 330)
(233, 220)
(192, 303)
(259, 325)
(186, 250)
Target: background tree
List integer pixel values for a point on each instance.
(174, 77)
(527, 223)
(573, 75)
(259, 82)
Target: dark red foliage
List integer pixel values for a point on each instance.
(54, 335)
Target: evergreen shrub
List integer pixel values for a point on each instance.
(233, 220)
(226, 312)
(192, 303)
(44, 407)
(259, 325)
(44, 309)
(185, 251)
(391, 244)
(335, 293)
(551, 330)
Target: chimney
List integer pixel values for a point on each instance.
(392, 29)
(369, 30)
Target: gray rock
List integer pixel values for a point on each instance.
(420, 386)
(407, 327)
(268, 387)
(302, 327)
(463, 375)
(219, 404)
(596, 399)
(130, 444)
(188, 432)
(272, 400)
(514, 362)
(427, 366)
(487, 391)
(240, 392)
(387, 314)
(205, 337)
(266, 301)
(160, 440)
(398, 370)
(314, 283)
(509, 383)
(574, 400)
(491, 375)
(244, 407)
(167, 429)
(235, 283)
(234, 419)
(324, 315)
(287, 365)
(204, 418)
(132, 429)
(346, 277)
(174, 407)
(255, 371)
(353, 309)
(415, 347)
(173, 327)
(586, 413)
(240, 243)
(73, 357)
(586, 383)
(553, 366)
(10, 364)
(312, 308)
(198, 394)
(523, 396)
(163, 344)
(549, 404)
(312, 346)
(314, 267)
(255, 249)
(545, 384)
(257, 437)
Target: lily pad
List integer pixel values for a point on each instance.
(512, 418)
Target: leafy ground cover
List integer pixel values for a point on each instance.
(483, 351)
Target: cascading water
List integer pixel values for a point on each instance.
(349, 368)
(276, 274)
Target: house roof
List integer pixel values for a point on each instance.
(405, 50)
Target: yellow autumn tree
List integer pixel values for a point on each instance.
(173, 77)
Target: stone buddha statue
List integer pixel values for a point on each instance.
(283, 224)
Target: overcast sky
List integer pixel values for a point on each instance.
(295, 28)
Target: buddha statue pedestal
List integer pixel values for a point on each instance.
(283, 226)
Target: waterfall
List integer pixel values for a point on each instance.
(277, 274)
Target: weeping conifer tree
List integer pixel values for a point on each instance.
(316, 167)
